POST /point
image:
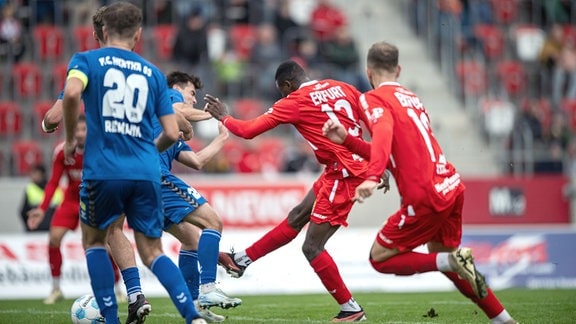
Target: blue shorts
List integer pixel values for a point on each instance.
(103, 201)
(179, 200)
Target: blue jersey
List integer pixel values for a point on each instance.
(173, 151)
(123, 94)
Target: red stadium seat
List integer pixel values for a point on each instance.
(569, 106)
(58, 78)
(163, 37)
(512, 77)
(472, 76)
(242, 37)
(27, 80)
(492, 40)
(10, 119)
(25, 154)
(505, 11)
(248, 108)
(49, 42)
(569, 33)
(40, 109)
(84, 38)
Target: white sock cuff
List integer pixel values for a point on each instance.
(443, 262)
(503, 317)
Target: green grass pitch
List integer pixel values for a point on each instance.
(527, 306)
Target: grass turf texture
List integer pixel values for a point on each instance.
(527, 306)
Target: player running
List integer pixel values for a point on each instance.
(307, 104)
(431, 189)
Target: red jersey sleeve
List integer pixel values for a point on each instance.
(278, 114)
(52, 185)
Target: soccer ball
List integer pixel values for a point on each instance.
(85, 310)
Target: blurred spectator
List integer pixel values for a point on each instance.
(33, 196)
(325, 19)
(564, 74)
(558, 11)
(266, 56)
(300, 158)
(550, 52)
(341, 53)
(474, 12)
(162, 11)
(283, 21)
(191, 45)
(11, 41)
(229, 70)
(306, 54)
(81, 11)
(240, 11)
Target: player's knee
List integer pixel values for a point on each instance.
(311, 250)
(298, 217)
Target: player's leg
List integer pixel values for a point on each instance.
(100, 271)
(102, 204)
(65, 218)
(124, 257)
(236, 262)
(333, 203)
(188, 236)
(144, 215)
(462, 271)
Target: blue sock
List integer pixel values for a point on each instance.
(172, 280)
(131, 278)
(208, 248)
(188, 264)
(102, 282)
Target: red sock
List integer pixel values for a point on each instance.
(115, 268)
(490, 305)
(277, 237)
(326, 269)
(406, 264)
(55, 260)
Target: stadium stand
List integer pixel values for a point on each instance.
(492, 52)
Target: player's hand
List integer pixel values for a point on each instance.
(35, 217)
(335, 131)
(69, 149)
(223, 131)
(215, 107)
(364, 190)
(384, 182)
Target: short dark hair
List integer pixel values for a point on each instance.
(182, 78)
(382, 56)
(122, 19)
(38, 167)
(98, 22)
(289, 71)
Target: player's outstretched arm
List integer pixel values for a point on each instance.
(190, 113)
(197, 160)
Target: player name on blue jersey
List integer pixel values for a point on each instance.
(120, 127)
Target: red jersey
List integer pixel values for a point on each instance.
(308, 108)
(403, 142)
(73, 173)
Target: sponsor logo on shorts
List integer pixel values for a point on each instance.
(385, 239)
(319, 216)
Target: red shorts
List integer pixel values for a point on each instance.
(333, 200)
(67, 215)
(408, 232)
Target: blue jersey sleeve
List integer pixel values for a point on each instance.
(175, 96)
